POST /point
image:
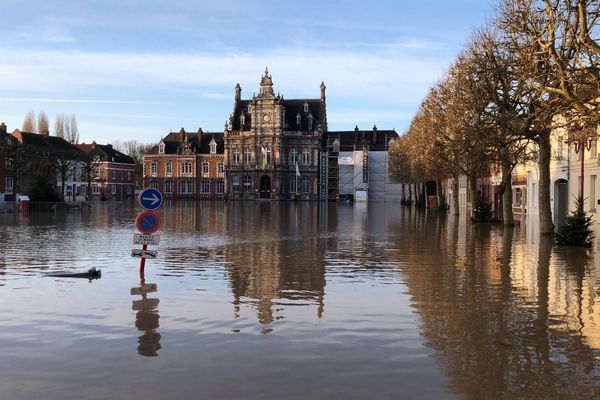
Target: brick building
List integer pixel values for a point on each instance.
(112, 173)
(187, 165)
(271, 148)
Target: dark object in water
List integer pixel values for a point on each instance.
(92, 273)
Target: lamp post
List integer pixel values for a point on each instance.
(581, 144)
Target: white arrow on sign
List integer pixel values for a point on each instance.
(143, 289)
(139, 253)
(155, 199)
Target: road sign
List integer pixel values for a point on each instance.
(147, 222)
(143, 289)
(139, 253)
(139, 238)
(144, 304)
(150, 199)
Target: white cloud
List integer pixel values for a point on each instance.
(374, 74)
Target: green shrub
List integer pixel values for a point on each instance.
(482, 211)
(576, 230)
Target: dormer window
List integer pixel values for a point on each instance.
(310, 122)
(161, 147)
(306, 106)
(298, 119)
(213, 146)
(242, 120)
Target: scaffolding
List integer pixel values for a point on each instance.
(332, 170)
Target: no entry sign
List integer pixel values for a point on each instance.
(147, 222)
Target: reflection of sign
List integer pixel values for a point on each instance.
(150, 199)
(147, 222)
(139, 238)
(143, 289)
(144, 304)
(139, 253)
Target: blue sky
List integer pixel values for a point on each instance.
(133, 70)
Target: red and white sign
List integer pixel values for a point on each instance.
(147, 222)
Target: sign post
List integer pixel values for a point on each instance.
(147, 223)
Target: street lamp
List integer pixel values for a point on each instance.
(581, 143)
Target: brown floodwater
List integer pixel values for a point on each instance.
(294, 301)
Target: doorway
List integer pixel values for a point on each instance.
(265, 187)
(561, 201)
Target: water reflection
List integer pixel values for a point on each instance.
(147, 319)
(507, 323)
(363, 301)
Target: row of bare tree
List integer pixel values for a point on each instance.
(498, 101)
(64, 126)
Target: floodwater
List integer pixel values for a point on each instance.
(294, 301)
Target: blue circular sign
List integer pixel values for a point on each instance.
(150, 199)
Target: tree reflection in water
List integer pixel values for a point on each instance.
(507, 322)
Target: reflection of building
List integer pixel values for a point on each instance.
(266, 272)
(271, 148)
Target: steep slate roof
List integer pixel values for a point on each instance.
(174, 140)
(377, 140)
(292, 107)
(46, 143)
(114, 155)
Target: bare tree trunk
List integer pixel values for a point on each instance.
(410, 193)
(455, 189)
(545, 151)
(507, 195)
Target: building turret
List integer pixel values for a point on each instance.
(238, 92)
(266, 84)
(323, 87)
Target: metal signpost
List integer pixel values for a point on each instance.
(147, 223)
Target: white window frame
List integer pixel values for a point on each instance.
(169, 186)
(247, 183)
(153, 168)
(205, 168)
(293, 156)
(305, 156)
(220, 186)
(168, 168)
(235, 156)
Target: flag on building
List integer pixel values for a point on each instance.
(297, 170)
(263, 152)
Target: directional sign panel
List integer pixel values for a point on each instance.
(147, 222)
(152, 240)
(150, 199)
(143, 289)
(139, 253)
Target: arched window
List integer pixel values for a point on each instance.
(220, 168)
(154, 168)
(213, 147)
(310, 121)
(306, 106)
(298, 119)
(169, 167)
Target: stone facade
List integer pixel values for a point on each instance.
(272, 145)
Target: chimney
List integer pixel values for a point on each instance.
(374, 134)
(356, 134)
(200, 135)
(3, 128)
